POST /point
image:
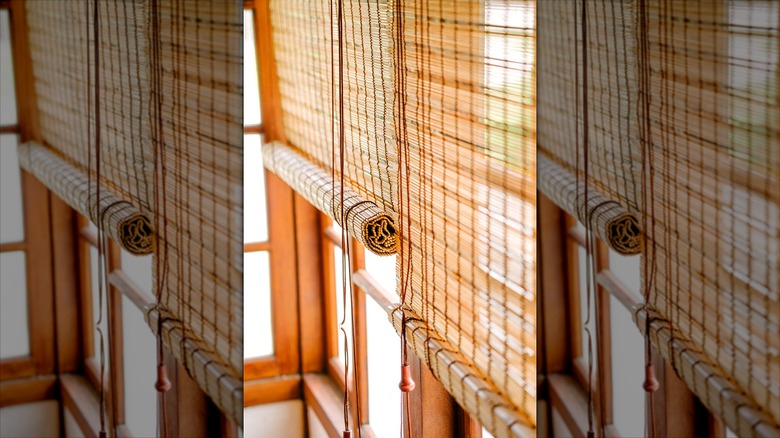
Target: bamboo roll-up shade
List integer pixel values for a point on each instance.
(306, 52)
(124, 223)
(614, 155)
(370, 225)
(713, 142)
(611, 222)
(198, 95)
(683, 103)
(62, 53)
(170, 100)
(466, 124)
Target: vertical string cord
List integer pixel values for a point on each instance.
(161, 267)
(405, 247)
(345, 253)
(589, 265)
(100, 232)
(647, 201)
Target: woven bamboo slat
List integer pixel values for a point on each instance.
(371, 226)
(611, 222)
(123, 222)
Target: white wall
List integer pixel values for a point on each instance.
(39, 419)
(282, 419)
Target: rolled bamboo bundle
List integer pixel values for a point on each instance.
(371, 226)
(612, 222)
(125, 224)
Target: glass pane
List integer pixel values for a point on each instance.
(14, 336)
(338, 276)
(259, 340)
(251, 85)
(93, 268)
(627, 270)
(139, 269)
(382, 269)
(628, 371)
(12, 219)
(7, 92)
(140, 366)
(384, 372)
(255, 209)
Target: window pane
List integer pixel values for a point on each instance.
(255, 214)
(140, 367)
(139, 269)
(7, 92)
(626, 269)
(252, 114)
(628, 371)
(384, 372)
(338, 276)
(14, 336)
(382, 269)
(257, 306)
(12, 220)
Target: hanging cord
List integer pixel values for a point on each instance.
(590, 267)
(162, 384)
(406, 384)
(650, 384)
(346, 283)
(101, 238)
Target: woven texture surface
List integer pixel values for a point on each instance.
(468, 241)
(170, 98)
(714, 133)
(449, 89)
(683, 107)
(305, 52)
(371, 226)
(124, 223)
(198, 95)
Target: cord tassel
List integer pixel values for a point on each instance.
(163, 384)
(651, 383)
(407, 383)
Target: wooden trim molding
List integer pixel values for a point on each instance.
(28, 390)
(271, 390)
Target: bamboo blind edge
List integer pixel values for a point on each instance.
(217, 379)
(612, 222)
(469, 387)
(126, 224)
(714, 388)
(369, 224)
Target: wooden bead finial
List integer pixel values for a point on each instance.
(651, 383)
(162, 384)
(407, 384)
